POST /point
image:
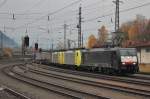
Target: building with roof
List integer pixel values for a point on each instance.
(143, 48)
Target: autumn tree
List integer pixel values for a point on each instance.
(125, 29)
(91, 41)
(133, 32)
(135, 29)
(146, 36)
(102, 35)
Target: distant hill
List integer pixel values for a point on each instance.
(7, 41)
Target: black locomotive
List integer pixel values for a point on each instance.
(106, 60)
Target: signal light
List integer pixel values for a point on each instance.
(36, 46)
(40, 50)
(26, 41)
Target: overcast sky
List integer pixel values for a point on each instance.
(31, 16)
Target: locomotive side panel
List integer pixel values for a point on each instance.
(69, 58)
(55, 57)
(60, 57)
(46, 56)
(98, 58)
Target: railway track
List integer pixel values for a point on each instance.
(127, 79)
(130, 90)
(98, 84)
(10, 93)
(61, 90)
(141, 76)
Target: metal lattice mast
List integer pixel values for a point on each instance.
(117, 16)
(79, 28)
(65, 29)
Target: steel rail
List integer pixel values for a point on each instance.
(101, 76)
(98, 84)
(15, 93)
(48, 86)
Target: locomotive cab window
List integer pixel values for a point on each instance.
(128, 52)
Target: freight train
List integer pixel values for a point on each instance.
(105, 60)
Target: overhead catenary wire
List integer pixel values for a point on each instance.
(51, 13)
(43, 12)
(55, 28)
(35, 5)
(3, 3)
(38, 13)
(68, 13)
(109, 14)
(34, 13)
(121, 11)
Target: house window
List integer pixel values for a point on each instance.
(147, 49)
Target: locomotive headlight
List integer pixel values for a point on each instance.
(123, 63)
(134, 63)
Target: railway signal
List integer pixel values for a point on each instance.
(36, 46)
(26, 41)
(13, 16)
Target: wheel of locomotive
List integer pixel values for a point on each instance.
(76, 67)
(99, 70)
(93, 68)
(113, 72)
(102, 70)
(96, 69)
(86, 68)
(107, 71)
(72, 67)
(90, 68)
(119, 72)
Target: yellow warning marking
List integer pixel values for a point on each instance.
(78, 56)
